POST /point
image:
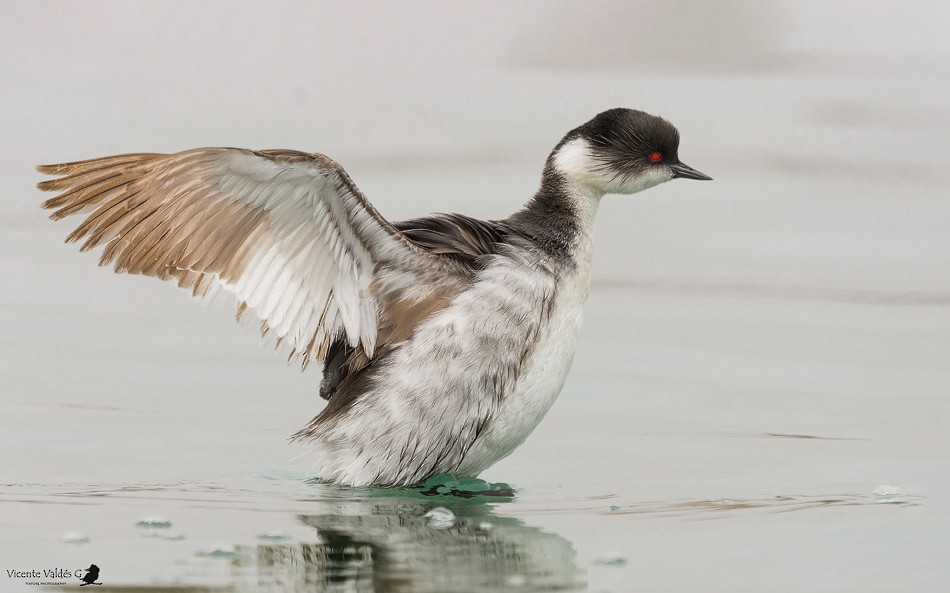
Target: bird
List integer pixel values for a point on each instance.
(92, 573)
(444, 339)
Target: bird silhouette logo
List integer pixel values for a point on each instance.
(92, 573)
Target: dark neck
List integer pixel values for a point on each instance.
(550, 219)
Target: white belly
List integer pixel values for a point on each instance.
(539, 382)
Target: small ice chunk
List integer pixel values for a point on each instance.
(74, 537)
(887, 493)
(154, 522)
(273, 536)
(486, 526)
(440, 518)
(220, 551)
(612, 559)
(516, 580)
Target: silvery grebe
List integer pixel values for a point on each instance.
(444, 340)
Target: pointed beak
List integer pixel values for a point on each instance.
(686, 172)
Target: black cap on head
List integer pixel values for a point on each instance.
(630, 142)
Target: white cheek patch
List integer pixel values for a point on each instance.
(575, 160)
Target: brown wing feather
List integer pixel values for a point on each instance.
(288, 233)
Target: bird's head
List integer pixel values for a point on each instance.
(621, 151)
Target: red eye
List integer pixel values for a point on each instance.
(656, 157)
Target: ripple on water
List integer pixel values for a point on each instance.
(775, 504)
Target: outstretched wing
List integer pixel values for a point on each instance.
(286, 232)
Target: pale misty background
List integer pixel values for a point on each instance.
(778, 337)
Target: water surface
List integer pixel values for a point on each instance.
(760, 397)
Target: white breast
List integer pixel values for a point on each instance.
(540, 380)
(544, 371)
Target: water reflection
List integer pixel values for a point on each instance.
(388, 545)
